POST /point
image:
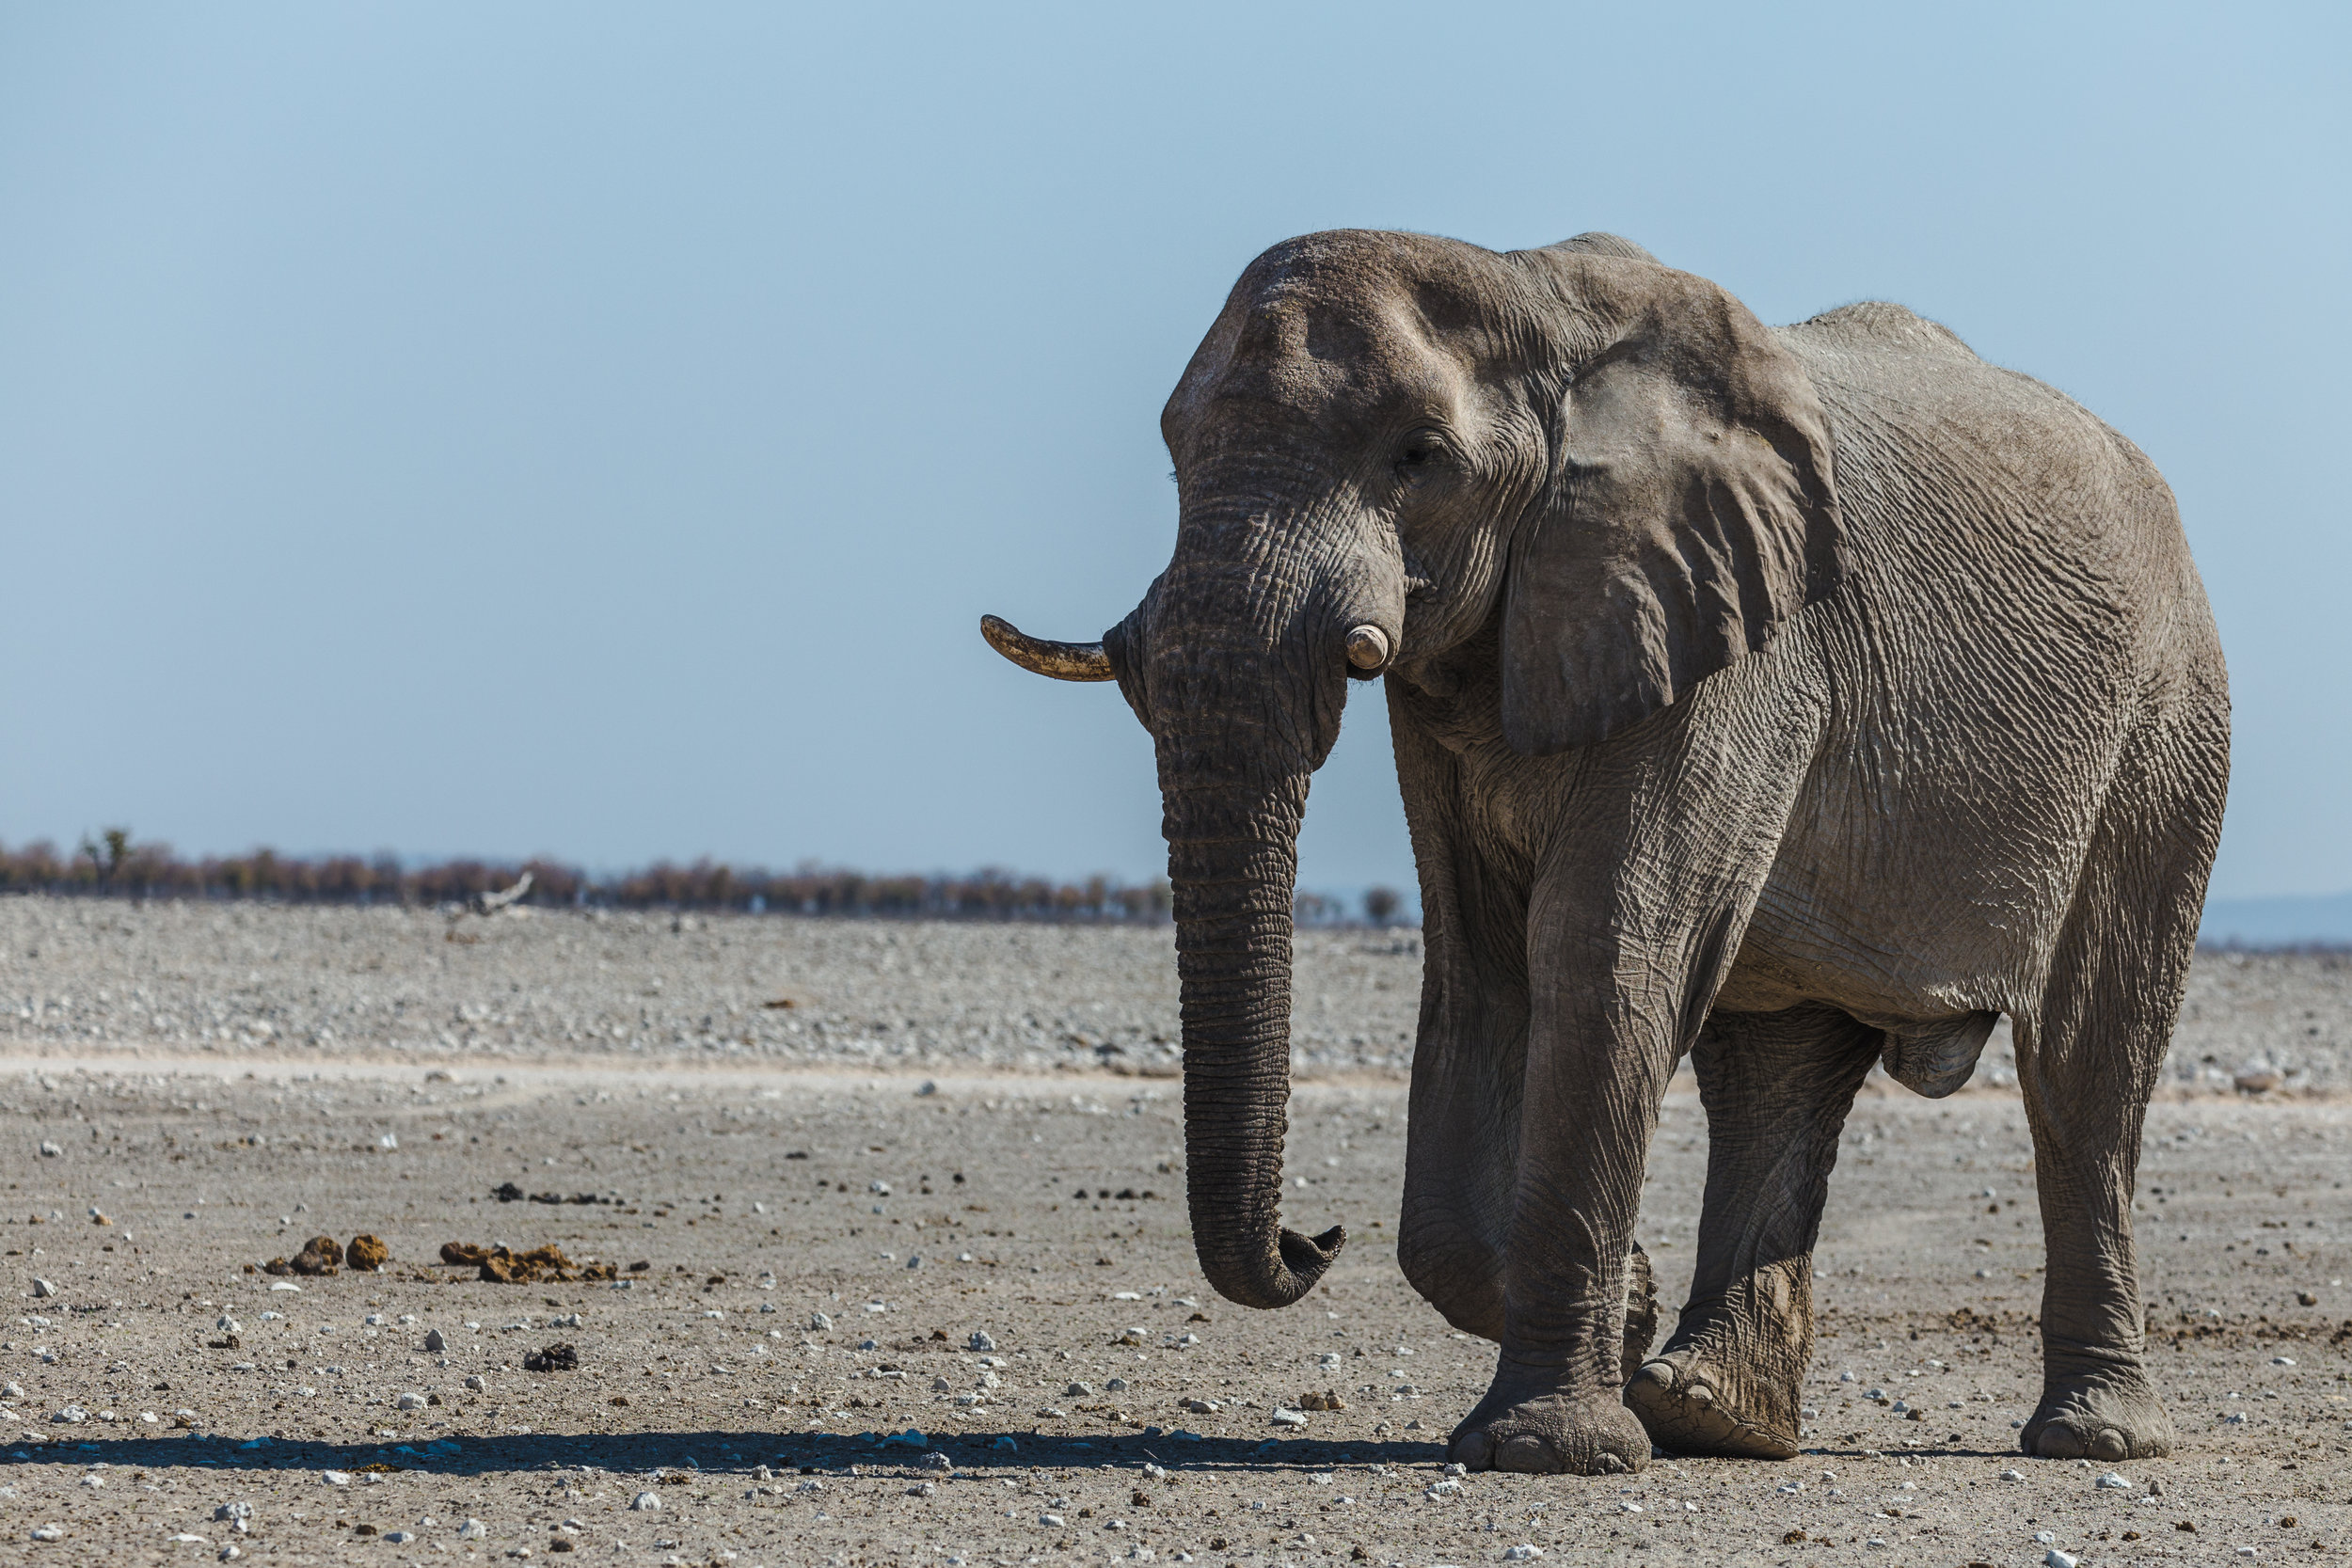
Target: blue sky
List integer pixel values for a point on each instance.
(597, 430)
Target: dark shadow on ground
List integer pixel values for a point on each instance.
(715, 1453)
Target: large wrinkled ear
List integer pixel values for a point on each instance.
(1692, 509)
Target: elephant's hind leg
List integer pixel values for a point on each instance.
(1777, 1087)
(2086, 1065)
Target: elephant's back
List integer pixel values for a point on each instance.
(1995, 491)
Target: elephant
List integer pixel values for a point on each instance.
(1791, 699)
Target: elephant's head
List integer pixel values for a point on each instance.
(1386, 445)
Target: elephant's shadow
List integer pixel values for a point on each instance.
(730, 1457)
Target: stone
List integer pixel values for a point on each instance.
(472, 1529)
(981, 1340)
(42, 1287)
(435, 1342)
(646, 1502)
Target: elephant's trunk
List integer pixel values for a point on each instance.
(1232, 862)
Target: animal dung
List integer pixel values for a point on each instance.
(367, 1252)
(1326, 1401)
(507, 1191)
(499, 1265)
(554, 1358)
(320, 1256)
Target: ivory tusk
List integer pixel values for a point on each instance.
(1367, 647)
(1063, 661)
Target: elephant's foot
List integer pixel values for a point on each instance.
(1529, 1424)
(1692, 1405)
(2108, 1414)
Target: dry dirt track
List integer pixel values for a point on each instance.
(206, 1164)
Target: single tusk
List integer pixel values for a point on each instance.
(1063, 661)
(1367, 647)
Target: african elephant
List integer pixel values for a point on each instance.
(1797, 698)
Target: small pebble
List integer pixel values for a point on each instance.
(472, 1529)
(646, 1502)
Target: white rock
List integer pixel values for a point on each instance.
(1051, 1521)
(1288, 1418)
(48, 1151)
(42, 1287)
(646, 1502)
(2013, 1475)
(820, 1321)
(474, 1381)
(72, 1415)
(410, 1401)
(400, 1537)
(981, 1340)
(1524, 1552)
(2115, 1481)
(335, 1477)
(2055, 1559)
(1078, 1390)
(48, 1532)
(472, 1529)
(2283, 1361)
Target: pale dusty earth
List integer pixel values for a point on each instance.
(831, 1200)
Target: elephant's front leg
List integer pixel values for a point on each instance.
(1598, 1060)
(1776, 1088)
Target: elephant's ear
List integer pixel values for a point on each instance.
(1692, 511)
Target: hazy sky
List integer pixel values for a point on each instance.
(598, 430)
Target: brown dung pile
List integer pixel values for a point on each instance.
(540, 1265)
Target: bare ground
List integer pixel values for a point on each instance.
(206, 1162)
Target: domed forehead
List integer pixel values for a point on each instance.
(1340, 323)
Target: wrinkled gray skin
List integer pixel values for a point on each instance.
(1791, 697)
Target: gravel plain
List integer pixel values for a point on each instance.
(416, 985)
(917, 1287)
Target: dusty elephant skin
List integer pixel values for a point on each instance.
(1787, 697)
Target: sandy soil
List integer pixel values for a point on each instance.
(792, 1313)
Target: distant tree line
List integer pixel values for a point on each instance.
(113, 866)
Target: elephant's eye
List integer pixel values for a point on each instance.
(1421, 454)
